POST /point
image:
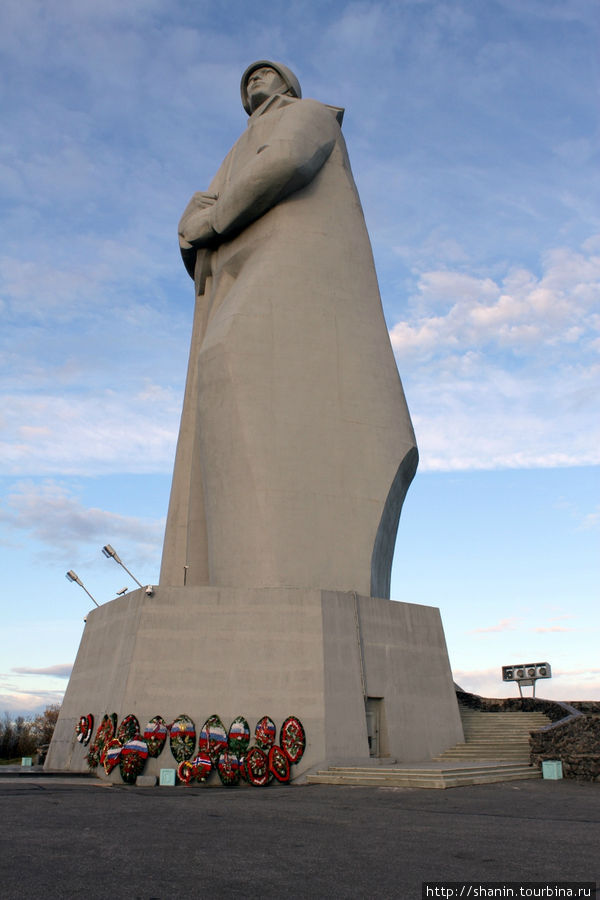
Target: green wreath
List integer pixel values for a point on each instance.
(182, 738)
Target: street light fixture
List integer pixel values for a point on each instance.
(72, 576)
(526, 674)
(111, 553)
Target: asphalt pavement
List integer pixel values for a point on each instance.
(71, 838)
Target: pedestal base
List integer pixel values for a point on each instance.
(317, 655)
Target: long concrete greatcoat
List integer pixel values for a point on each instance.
(296, 446)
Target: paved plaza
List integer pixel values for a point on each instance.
(71, 838)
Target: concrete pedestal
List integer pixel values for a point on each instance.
(277, 652)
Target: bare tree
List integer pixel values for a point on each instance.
(24, 736)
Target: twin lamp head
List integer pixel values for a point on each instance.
(110, 553)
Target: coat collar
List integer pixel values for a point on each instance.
(277, 101)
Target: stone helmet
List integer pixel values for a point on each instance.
(292, 83)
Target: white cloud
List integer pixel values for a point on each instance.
(512, 623)
(54, 516)
(505, 373)
(26, 703)
(503, 625)
(548, 629)
(90, 432)
(521, 311)
(61, 670)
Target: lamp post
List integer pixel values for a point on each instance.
(111, 553)
(72, 576)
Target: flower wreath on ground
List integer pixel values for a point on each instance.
(104, 734)
(128, 729)
(133, 759)
(111, 755)
(84, 728)
(213, 738)
(292, 739)
(155, 735)
(182, 738)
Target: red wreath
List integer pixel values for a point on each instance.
(81, 729)
(155, 735)
(228, 767)
(202, 766)
(105, 733)
(257, 767)
(292, 739)
(112, 755)
(185, 772)
(265, 732)
(279, 764)
(133, 759)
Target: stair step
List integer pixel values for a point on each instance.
(495, 746)
(500, 738)
(498, 735)
(425, 768)
(503, 726)
(483, 757)
(425, 776)
(502, 715)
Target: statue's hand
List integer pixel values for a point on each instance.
(195, 229)
(200, 200)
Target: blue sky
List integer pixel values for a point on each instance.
(473, 134)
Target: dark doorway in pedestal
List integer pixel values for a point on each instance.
(374, 713)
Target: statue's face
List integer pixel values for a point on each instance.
(263, 83)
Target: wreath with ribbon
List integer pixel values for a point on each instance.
(292, 739)
(155, 735)
(239, 736)
(213, 738)
(132, 760)
(111, 755)
(84, 728)
(279, 764)
(128, 729)
(182, 737)
(185, 771)
(202, 766)
(104, 734)
(256, 765)
(228, 767)
(265, 732)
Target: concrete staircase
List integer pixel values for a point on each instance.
(496, 748)
(495, 735)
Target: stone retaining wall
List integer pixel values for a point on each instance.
(575, 741)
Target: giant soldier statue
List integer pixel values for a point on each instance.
(294, 456)
(296, 447)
